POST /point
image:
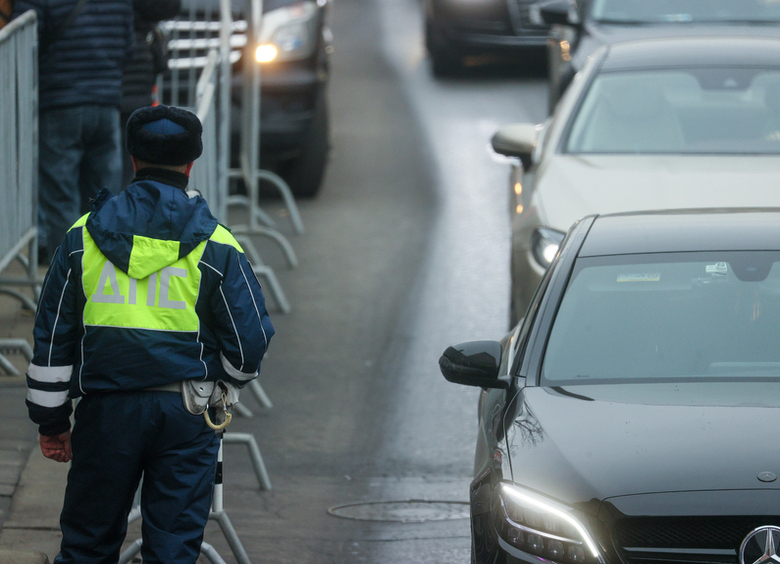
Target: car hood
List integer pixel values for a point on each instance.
(597, 34)
(569, 187)
(582, 444)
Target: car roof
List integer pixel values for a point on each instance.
(683, 230)
(717, 50)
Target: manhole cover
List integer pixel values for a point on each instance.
(411, 511)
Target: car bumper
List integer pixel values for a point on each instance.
(467, 40)
(485, 26)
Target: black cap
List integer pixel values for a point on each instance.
(164, 135)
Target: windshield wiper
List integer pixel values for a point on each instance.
(675, 19)
(740, 22)
(612, 21)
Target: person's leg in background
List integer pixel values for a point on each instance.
(60, 153)
(101, 165)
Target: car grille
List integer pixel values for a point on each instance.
(706, 540)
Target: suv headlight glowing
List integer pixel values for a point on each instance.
(543, 527)
(544, 245)
(288, 33)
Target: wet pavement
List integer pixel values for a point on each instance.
(30, 486)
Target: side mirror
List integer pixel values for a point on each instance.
(475, 363)
(556, 12)
(516, 140)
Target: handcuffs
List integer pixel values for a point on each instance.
(220, 396)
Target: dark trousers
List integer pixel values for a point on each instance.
(117, 439)
(79, 154)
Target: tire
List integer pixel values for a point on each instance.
(304, 174)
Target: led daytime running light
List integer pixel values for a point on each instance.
(544, 534)
(526, 499)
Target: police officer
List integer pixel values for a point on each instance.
(146, 291)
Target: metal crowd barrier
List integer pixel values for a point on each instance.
(204, 176)
(191, 37)
(19, 163)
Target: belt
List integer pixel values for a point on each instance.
(172, 387)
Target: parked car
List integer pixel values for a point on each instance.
(626, 419)
(654, 124)
(455, 29)
(295, 44)
(578, 27)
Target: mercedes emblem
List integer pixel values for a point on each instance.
(760, 546)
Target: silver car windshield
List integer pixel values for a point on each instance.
(690, 111)
(668, 318)
(659, 11)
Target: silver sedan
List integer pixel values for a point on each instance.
(655, 124)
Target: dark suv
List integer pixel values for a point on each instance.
(455, 29)
(294, 46)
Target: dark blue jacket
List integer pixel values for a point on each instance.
(83, 66)
(145, 291)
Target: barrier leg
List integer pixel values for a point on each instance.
(260, 269)
(279, 183)
(254, 456)
(210, 553)
(27, 302)
(130, 552)
(260, 395)
(243, 410)
(289, 200)
(8, 367)
(14, 346)
(278, 238)
(218, 514)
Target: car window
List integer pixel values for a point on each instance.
(694, 111)
(658, 11)
(670, 317)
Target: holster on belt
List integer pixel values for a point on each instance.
(199, 397)
(219, 396)
(196, 395)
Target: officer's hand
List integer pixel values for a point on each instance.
(57, 447)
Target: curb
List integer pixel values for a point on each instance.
(17, 557)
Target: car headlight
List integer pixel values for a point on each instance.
(544, 245)
(288, 33)
(543, 527)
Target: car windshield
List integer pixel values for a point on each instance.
(660, 11)
(675, 317)
(694, 111)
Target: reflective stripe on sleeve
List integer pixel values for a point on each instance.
(49, 374)
(232, 372)
(47, 399)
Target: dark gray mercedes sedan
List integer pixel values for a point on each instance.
(631, 416)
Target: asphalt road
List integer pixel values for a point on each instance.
(405, 252)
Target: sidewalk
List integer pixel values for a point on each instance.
(31, 487)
